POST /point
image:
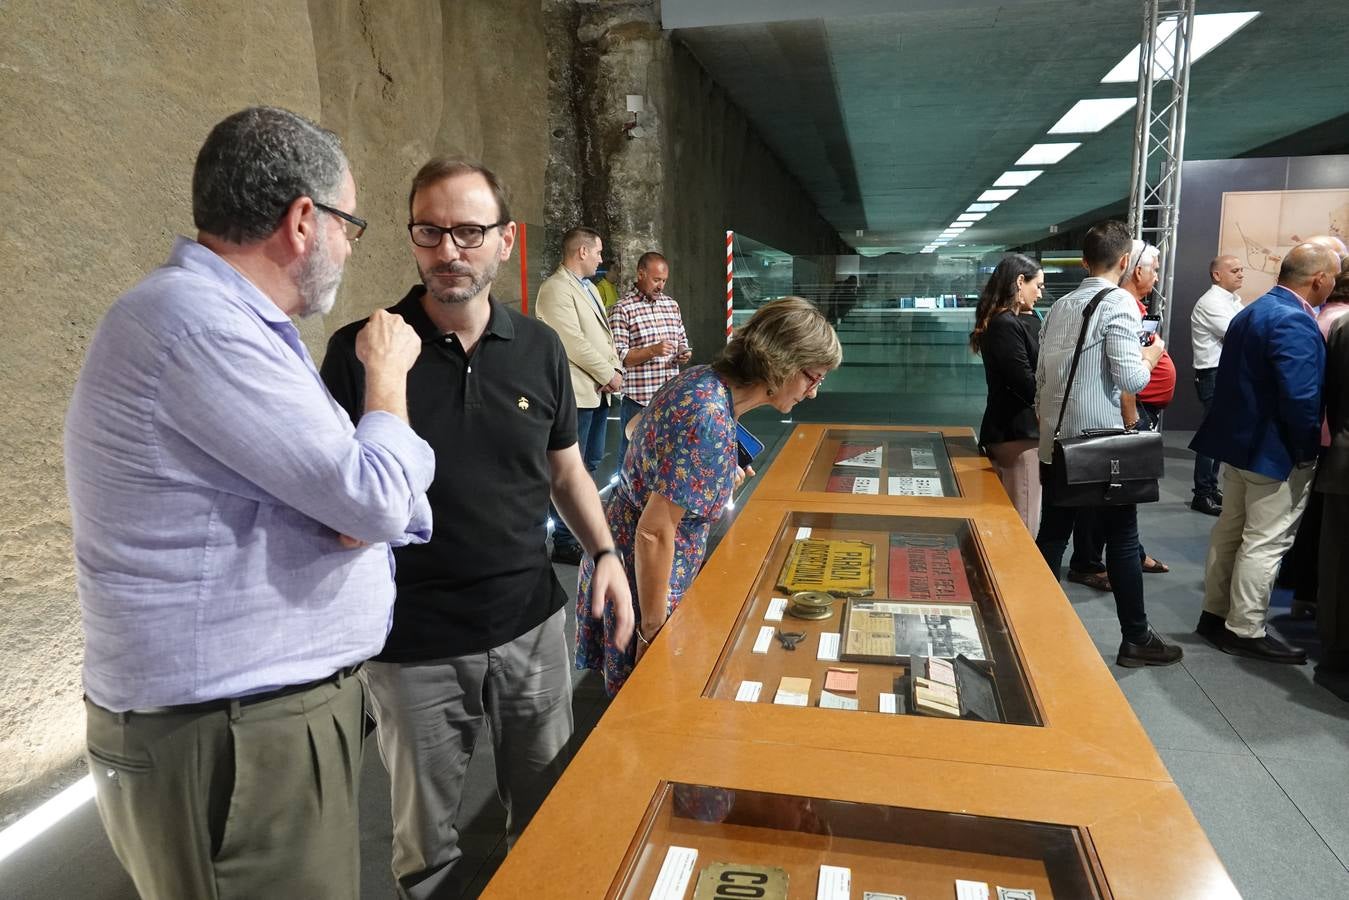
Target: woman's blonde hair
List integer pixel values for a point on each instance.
(779, 340)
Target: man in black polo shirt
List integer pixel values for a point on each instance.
(477, 636)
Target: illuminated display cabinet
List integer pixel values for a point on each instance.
(732, 758)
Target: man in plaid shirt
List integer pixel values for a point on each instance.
(649, 337)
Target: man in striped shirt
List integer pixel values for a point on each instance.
(1112, 361)
(649, 337)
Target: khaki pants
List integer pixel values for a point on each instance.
(249, 802)
(1017, 464)
(430, 715)
(1256, 528)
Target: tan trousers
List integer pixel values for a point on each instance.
(250, 802)
(1017, 464)
(1256, 528)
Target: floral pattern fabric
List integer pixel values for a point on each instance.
(684, 450)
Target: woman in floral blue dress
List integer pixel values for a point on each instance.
(680, 469)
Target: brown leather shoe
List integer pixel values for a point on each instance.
(1268, 648)
(1152, 652)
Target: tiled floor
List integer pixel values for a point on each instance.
(1260, 752)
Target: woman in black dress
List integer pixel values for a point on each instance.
(1007, 335)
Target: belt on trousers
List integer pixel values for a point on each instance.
(249, 700)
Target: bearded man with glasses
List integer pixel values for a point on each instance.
(477, 641)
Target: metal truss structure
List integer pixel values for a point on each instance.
(1159, 132)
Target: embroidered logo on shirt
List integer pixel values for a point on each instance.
(523, 403)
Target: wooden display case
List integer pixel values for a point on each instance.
(903, 825)
(1079, 720)
(809, 459)
(1066, 796)
(968, 590)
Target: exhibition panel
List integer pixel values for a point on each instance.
(639, 816)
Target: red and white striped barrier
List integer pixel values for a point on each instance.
(730, 281)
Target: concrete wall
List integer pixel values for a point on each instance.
(698, 170)
(105, 105)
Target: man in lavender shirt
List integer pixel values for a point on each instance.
(232, 533)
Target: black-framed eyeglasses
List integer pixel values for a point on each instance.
(815, 380)
(353, 226)
(465, 237)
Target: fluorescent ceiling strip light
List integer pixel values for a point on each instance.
(46, 815)
(1210, 30)
(958, 226)
(970, 217)
(981, 207)
(1045, 154)
(1018, 179)
(1091, 116)
(997, 194)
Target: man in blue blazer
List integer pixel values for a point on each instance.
(1265, 424)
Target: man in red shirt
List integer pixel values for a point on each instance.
(1144, 409)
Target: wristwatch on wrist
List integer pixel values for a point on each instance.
(600, 554)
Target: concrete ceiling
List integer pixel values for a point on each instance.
(896, 121)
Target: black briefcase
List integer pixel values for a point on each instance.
(1106, 468)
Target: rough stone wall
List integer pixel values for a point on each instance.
(698, 170)
(104, 106)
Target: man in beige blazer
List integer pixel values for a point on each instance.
(571, 306)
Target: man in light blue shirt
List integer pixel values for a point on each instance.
(1112, 361)
(232, 533)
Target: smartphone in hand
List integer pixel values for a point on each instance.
(747, 446)
(1150, 326)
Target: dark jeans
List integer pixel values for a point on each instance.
(1089, 543)
(1149, 416)
(629, 409)
(1301, 564)
(1120, 527)
(1205, 469)
(590, 427)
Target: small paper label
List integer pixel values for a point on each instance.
(880, 895)
(803, 532)
(749, 691)
(923, 458)
(673, 881)
(1015, 893)
(888, 703)
(776, 607)
(836, 701)
(835, 883)
(793, 692)
(971, 890)
(828, 650)
(765, 638)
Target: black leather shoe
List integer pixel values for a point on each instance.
(567, 555)
(1211, 627)
(1335, 681)
(1207, 505)
(1268, 648)
(1152, 652)
(1303, 609)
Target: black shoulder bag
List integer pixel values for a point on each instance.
(1107, 466)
